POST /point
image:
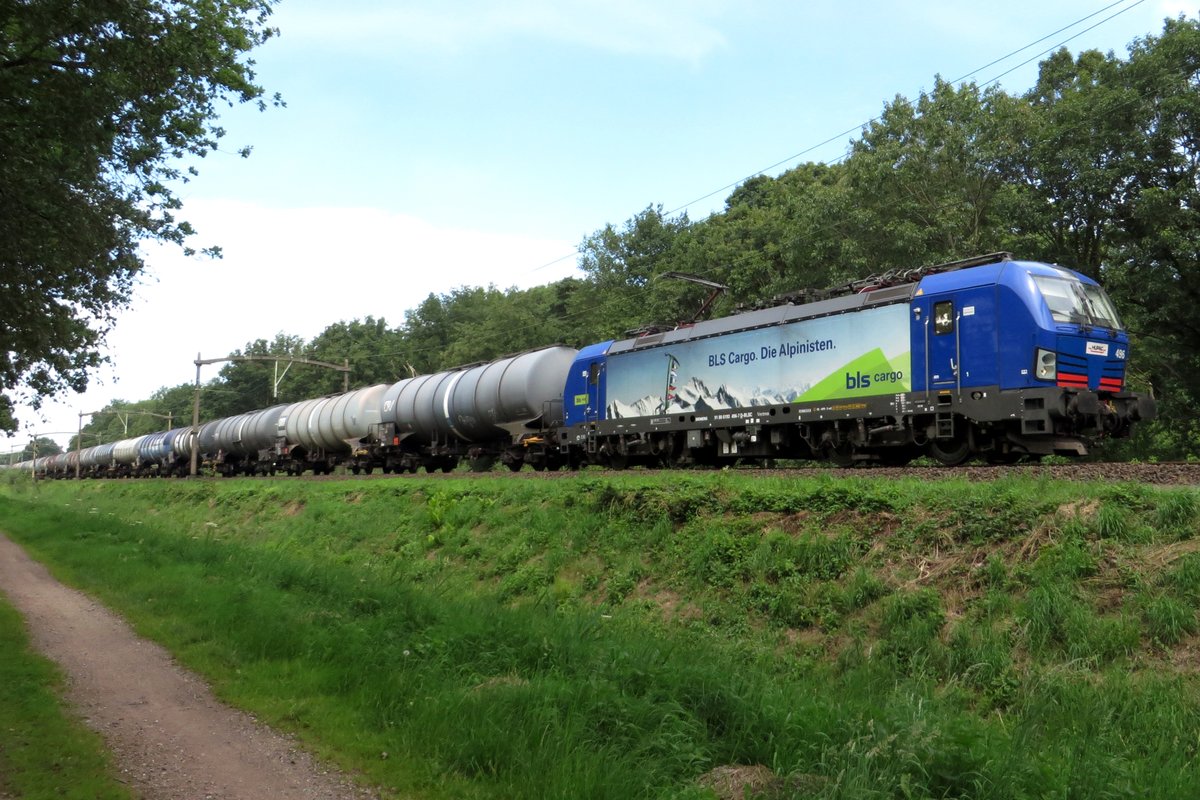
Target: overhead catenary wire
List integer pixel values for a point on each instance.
(1125, 6)
(1122, 6)
(858, 127)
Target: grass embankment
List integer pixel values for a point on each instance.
(624, 637)
(44, 752)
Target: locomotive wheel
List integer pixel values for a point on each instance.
(950, 452)
(897, 456)
(841, 455)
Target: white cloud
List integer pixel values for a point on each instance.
(294, 271)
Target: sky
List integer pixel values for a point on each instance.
(427, 146)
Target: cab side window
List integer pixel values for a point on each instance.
(943, 317)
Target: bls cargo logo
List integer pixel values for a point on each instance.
(863, 380)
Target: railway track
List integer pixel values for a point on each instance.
(1166, 474)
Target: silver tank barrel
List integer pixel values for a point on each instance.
(487, 402)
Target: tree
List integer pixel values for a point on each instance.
(776, 235)
(926, 177)
(100, 103)
(123, 420)
(1154, 272)
(40, 447)
(621, 266)
(243, 386)
(1078, 145)
(375, 353)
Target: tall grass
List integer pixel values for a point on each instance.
(45, 751)
(605, 638)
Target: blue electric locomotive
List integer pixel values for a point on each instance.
(990, 357)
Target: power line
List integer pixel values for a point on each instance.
(862, 125)
(408, 352)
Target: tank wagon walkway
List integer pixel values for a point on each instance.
(170, 737)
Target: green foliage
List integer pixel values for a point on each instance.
(1168, 620)
(622, 636)
(1177, 512)
(44, 752)
(102, 101)
(911, 622)
(39, 447)
(1184, 578)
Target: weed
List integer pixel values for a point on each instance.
(995, 572)
(1177, 512)
(911, 622)
(44, 750)
(1168, 620)
(1112, 522)
(1184, 579)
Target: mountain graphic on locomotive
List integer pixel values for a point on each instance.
(989, 357)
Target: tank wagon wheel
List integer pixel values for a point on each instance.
(482, 463)
(449, 463)
(356, 469)
(515, 465)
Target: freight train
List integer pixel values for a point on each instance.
(990, 358)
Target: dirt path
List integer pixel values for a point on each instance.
(170, 737)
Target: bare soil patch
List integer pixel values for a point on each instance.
(170, 737)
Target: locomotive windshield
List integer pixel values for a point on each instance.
(1073, 301)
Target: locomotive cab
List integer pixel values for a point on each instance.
(1082, 352)
(1035, 354)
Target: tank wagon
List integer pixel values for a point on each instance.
(991, 357)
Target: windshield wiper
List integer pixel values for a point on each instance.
(1089, 309)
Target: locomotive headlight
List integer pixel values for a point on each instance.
(1045, 365)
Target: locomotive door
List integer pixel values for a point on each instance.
(595, 396)
(942, 353)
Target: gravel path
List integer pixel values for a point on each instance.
(170, 737)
